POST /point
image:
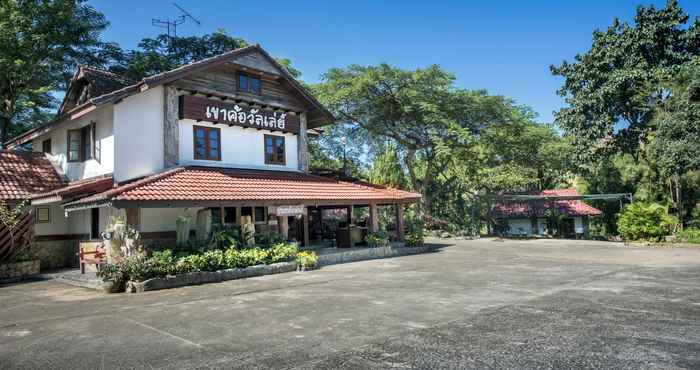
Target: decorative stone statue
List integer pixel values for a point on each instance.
(247, 231)
(182, 229)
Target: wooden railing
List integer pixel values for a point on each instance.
(13, 242)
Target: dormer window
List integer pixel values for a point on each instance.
(81, 144)
(248, 84)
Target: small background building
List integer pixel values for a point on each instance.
(551, 212)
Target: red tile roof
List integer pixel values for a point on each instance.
(23, 173)
(78, 189)
(539, 208)
(207, 184)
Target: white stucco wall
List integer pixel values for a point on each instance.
(104, 137)
(240, 147)
(138, 132)
(57, 226)
(164, 219)
(520, 226)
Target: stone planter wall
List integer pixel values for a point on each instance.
(203, 277)
(55, 254)
(17, 270)
(395, 250)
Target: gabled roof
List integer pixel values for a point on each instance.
(23, 173)
(539, 208)
(195, 185)
(173, 75)
(92, 82)
(75, 190)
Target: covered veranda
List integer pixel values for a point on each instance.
(309, 209)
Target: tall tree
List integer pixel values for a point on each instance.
(41, 41)
(613, 89)
(420, 112)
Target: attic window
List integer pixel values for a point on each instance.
(81, 143)
(249, 84)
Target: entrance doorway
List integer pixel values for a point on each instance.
(94, 223)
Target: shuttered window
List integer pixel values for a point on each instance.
(207, 143)
(274, 150)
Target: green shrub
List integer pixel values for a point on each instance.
(378, 239)
(225, 238)
(645, 221)
(269, 240)
(163, 263)
(252, 257)
(690, 235)
(282, 252)
(307, 259)
(415, 239)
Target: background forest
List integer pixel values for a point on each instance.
(630, 124)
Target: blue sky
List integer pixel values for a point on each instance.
(505, 47)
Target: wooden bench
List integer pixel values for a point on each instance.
(96, 256)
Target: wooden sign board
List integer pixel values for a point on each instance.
(290, 210)
(217, 111)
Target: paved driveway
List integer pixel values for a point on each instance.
(473, 304)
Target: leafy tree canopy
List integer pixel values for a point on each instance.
(613, 89)
(40, 44)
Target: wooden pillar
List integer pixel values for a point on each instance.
(171, 130)
(399, 222)
(305, 218)
(283, 224)
(373, 218)
(302, 145)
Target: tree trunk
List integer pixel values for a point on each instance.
(4, 126)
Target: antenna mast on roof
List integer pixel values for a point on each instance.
(171, 26)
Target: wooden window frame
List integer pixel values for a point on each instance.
(249, 88)
(85, 134)
(275, 161)
(46, 143)
(255, 215)
(207, 150)
(36, 214)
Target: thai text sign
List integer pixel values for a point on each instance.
(217, 111)
(290, 210)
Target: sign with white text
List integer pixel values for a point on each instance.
(232, 114)
(290, 210)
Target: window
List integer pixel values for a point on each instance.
(248, 84)
(215, 216)
(43, 215)
(207, 143)
(81, 143)
(260, 214)
(46, 146)
(230, 215)
(274, 150)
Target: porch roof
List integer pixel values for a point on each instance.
(203, 186)
(23, 173)
(544, 201)
(75, 190)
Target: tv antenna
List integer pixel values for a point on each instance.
(171, 26)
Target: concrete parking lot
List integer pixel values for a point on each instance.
(472, 304)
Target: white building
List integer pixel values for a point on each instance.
(226, 136)
(550, 212)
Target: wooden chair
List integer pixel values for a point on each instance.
(95, 257)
